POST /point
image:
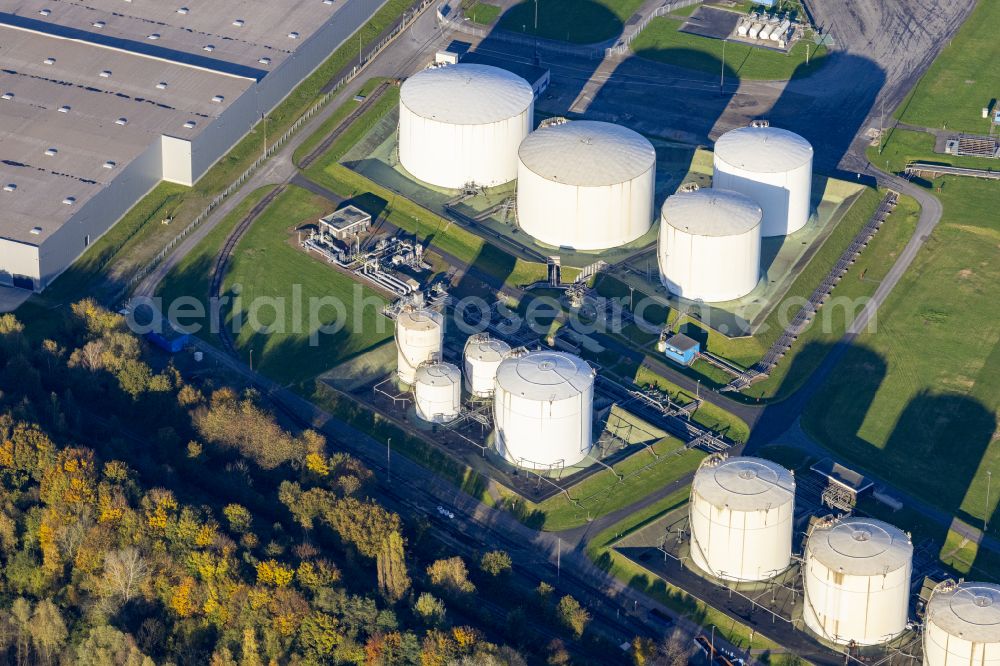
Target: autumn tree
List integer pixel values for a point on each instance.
(495, 563)
(393, 580)
(451, 575)
(107, 646)
(430, 609)
(47, 629)
(675, 650)
(125, 571)
(571, 614)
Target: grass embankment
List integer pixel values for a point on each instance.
(963, 78)
(708, 415)
(917, 400)
(576, 21)
(443, 234)
(662, 41)
(335, 119)
(138, 237)
(604, 493)
(483, 13)
(600, 551)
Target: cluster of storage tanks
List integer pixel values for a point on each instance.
(584, 185)
(542, 400)
(710, 239)
(587, 185)
(765, 28)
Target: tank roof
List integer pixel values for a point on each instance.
(489, 350)
(860, 546)
(712, 212)
(745, 484)
(419, 320)
(587, 152)
(466, 94)
(545, 375)
(438, 374)
(763, 149)
(970, 611)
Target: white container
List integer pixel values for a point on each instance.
(773, 167)
(419, 339)
(585, 185)
(463, 123)
(543, 407)
(742, 510)
(437, 392)
(709, 245)
(857, 581)
(483, 356)
(962, 625)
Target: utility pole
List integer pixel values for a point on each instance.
(558, 557)
(388, 459)
(359, 48)
(986, 513)
(712, 656)
(251, 359)
(881, 124)
(722, 74)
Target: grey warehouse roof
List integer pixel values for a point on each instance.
(587, 153)
(763, 149)
(545, 375)
(70, 107)
(860, 546)
(712, 212)
(970, 611)
(240, 32)
(745, 484)
(466, 94)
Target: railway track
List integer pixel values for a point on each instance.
(222, 261)
(325, 144)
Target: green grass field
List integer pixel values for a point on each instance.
(918, 399)
(963, 79)
(483, 13)
(903, 146)
(577, 21)
(663, 42)
(603, 493)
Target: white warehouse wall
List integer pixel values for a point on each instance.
(176, 160)
(19, 259)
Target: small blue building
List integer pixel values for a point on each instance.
(169, 340)
(681, 349)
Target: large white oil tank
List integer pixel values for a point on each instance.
(585, 185)
(437, 392)
(419, 338)
(543, 407)
(962, 625)
(709, 245)
(483, 356)
(742, 511)
(463, 123)
(773, 167)
(857, 580)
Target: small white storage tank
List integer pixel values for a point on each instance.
(773, 167)
(483, 356)
(419, 338)
(585, 185)
(437, 392)
(463, 123)
(857, 580)
(742, 510)
(962, 625)
(709, 245)
(543, 408)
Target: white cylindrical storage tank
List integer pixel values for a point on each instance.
(709, 245)
(437, 392)
(857, 580)
(543, 407)
(773, 167)
(483, 356)
(742, 511)
(463, 123)
(419, 338)
(585, 185)
(962, 625)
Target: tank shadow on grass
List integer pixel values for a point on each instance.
(574, 21)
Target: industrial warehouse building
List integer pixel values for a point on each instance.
(102, 101)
